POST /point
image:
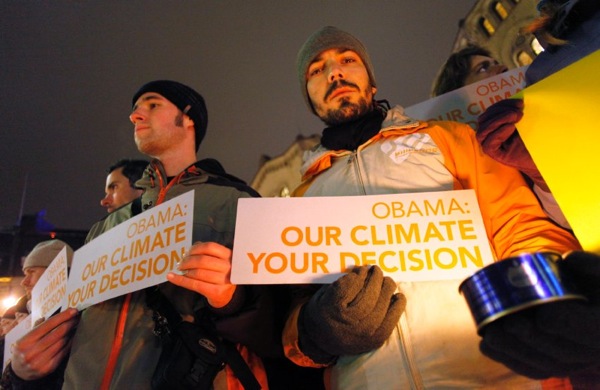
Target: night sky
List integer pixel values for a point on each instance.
(68, 70)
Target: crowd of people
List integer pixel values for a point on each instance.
(365, 330)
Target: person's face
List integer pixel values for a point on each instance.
(482, 67)
(32, 275)
(118, 191)
(338, 86)
(159, 126)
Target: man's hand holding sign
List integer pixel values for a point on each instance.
(353, 315)
(132, 256)
(206, 269)
(40, 351)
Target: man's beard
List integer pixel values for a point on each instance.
(346, 112)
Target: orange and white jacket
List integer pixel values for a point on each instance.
(435, 344)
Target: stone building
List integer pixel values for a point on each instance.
(498, 26)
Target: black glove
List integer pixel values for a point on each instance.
(497, 133)
(554, 339)
(355, 314)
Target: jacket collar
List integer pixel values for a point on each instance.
(319, 158)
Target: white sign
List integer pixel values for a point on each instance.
(50, 292)
(133, 255)
(467, 103)
(22, 328)
(411, 237)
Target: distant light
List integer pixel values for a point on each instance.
(487, 26)
(52, 234)
(500, 10)
(9, 301)
(523, 58)
(536, 46)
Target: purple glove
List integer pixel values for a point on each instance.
(500, 139)
(554, 339)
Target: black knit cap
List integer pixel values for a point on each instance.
(183, 97)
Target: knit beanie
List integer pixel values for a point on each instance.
(44, 252)
(326, 38)
(183, 97)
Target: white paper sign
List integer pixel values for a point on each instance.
(22, 328)
(50, 292)
(411, 237)
(133, 255)
(467, 103)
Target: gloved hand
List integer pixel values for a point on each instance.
(355, 314)
(497, 133)
(555, 339)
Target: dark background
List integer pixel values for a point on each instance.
(68, 70)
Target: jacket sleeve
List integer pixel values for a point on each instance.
(291, 346)
(257, 321)
(513, 217)
(290, 337)
(10, 380)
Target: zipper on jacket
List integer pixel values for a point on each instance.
(406, 350)
(353, 159)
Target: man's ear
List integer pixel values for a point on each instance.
(187, 121)
(373, 90)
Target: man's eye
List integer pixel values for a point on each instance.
(349, 60)
(484, 67)
(315, 72)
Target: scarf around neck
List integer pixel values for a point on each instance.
(350, 135)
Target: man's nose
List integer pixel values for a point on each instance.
(334, 72)
(499, 68)
(106, 201)
(135, 117)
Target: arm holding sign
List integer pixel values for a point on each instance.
(500, 139)
(207, 271)
(353, 315)
(568, 31)
(37, 355)
(241, 314)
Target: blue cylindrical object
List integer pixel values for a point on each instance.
(515, 284)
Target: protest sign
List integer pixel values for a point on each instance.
(560, 131)
(467, 103)
(411, 237)
(135, 254)
(13, 336)
(50, 292)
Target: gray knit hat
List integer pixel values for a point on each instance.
(183, 97)
(326, 38)
(44, 252)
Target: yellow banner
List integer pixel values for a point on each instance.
(561, 131)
